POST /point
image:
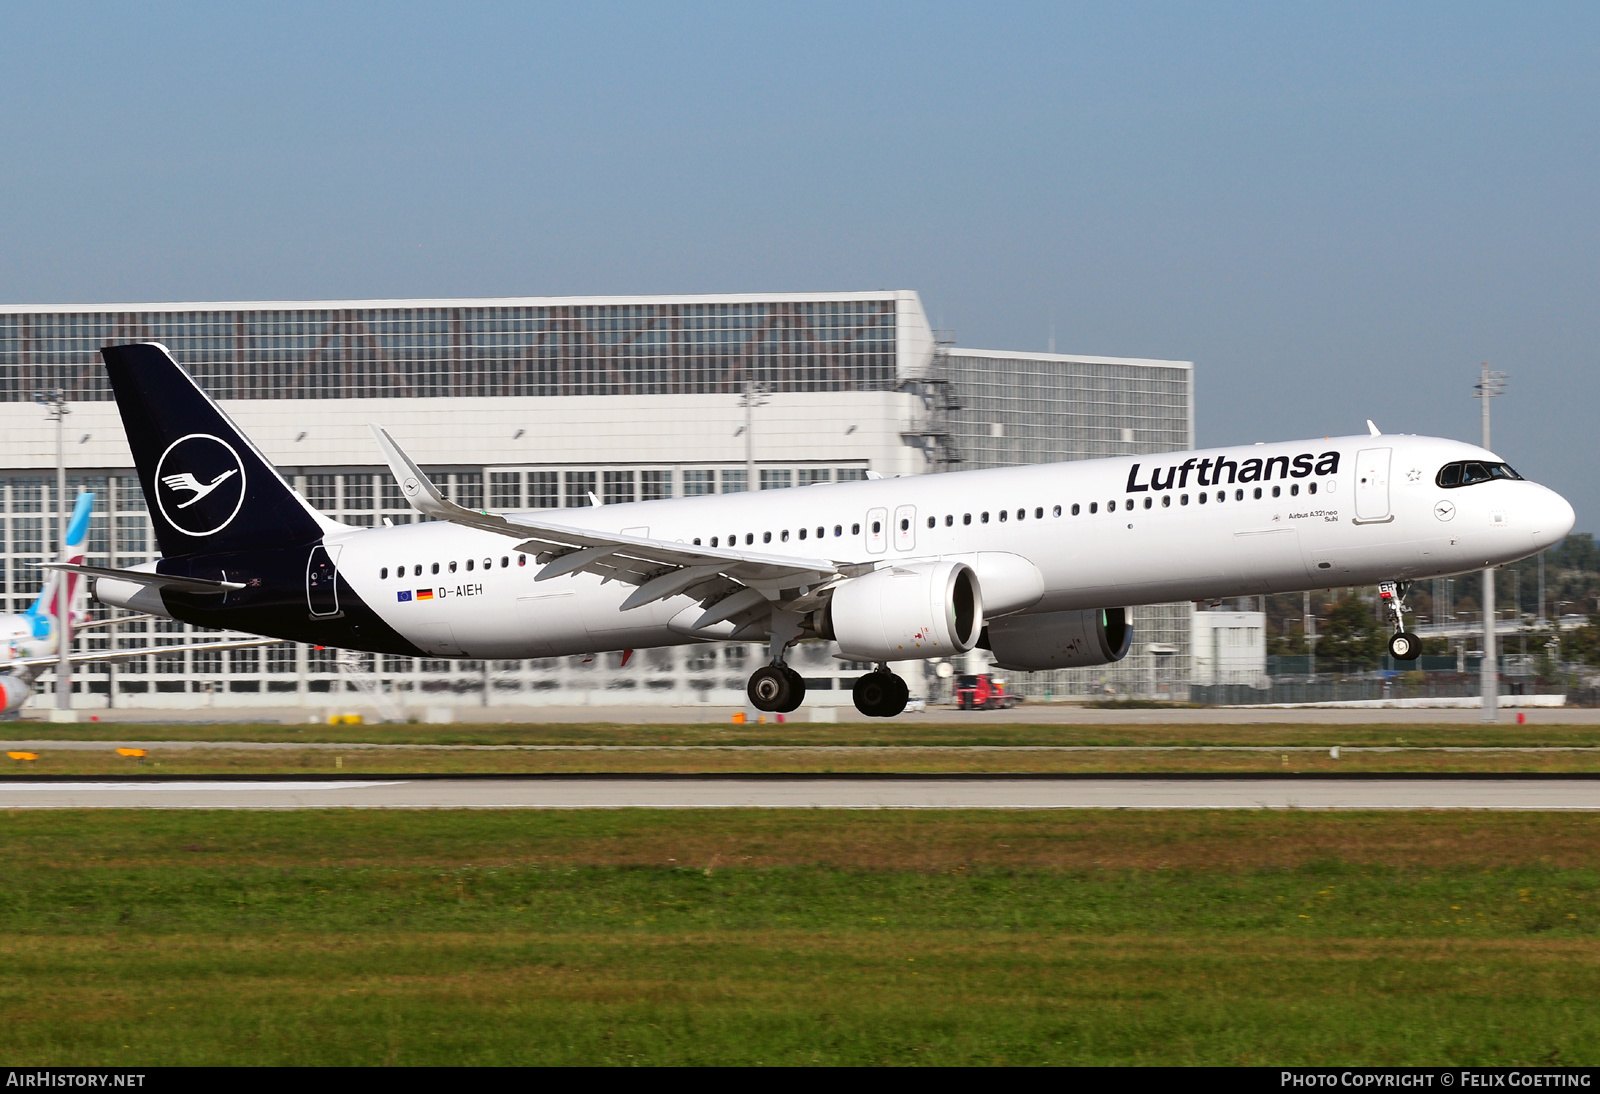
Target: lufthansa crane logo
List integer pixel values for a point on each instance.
(200, 484)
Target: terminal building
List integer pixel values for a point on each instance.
(532, 403)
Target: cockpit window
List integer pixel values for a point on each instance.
(1471, 472)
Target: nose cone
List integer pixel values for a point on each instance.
(1552, 516)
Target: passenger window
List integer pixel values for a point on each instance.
(949, 520)
(838, 529)
(1238, 495)
(488, 564)
(1148, 503)
(933, 522)
(802, 533)
(1294, 489)
(983, 518)
(766, 537)
(383, 574)
(821, 531)
(1222, 495)
(1277, 491)
(435, 567)
(1074, 508)
(522, 560)
(1094, 507)
(1258, 493)
(876, 527)
(419, 569)
(1184, 500)
(905, 525)
(1002, 515)
(1128, 503)
(1111, 506)
(1311, 488)
(1038, 514)
(855, 530)
(1058, 510)
(697, 541)
(1021, 513)
(1166, 501)
(783, 536)
(504, 561)
(713, 541)
(966, 518)
(1203, 496)
(469, 566)
(749, 538)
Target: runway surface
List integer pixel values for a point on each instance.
(827, 792)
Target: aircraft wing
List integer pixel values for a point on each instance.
(661, 568)
(84, 656)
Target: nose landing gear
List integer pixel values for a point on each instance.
(880, 693)
(1403, 645)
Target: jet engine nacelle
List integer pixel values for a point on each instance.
(923, 609)
(1060, 640)
(14, 691)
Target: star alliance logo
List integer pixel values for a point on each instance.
(200, 484)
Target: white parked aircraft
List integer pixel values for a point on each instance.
(1038, 564)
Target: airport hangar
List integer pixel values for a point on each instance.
(526, 403)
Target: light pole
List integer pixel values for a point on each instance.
(55, 404)
(754, 395)
(1489, 385)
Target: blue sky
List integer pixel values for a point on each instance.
(1336, 211)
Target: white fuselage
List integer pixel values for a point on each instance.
(1055, 537)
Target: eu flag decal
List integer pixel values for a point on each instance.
(404, 595)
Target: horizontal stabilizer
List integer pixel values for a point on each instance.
(145, 577)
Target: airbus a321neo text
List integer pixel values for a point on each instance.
(1037, 564)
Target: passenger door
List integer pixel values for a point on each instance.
(905, 528)
(1372, 486)
(322, 582)
(877, 534)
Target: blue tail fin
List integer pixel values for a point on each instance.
(209, 489)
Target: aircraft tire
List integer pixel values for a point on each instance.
(898, 699)
(1404, 646)
(769, 688)
(876, 693)
(797, 691)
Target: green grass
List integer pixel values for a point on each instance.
(632, 936)
(979, 731)
(711, 759)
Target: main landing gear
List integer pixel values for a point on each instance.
(880, 694)
(775, 686)
(1403, 645)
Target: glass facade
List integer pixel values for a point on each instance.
(645, 348)
(983, 409)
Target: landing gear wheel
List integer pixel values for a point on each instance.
(770, 688)
(880, 694)
(1404, 646)
(797, 691)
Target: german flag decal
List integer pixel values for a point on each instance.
(424, 594)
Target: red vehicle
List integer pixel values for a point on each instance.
(983, 692)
